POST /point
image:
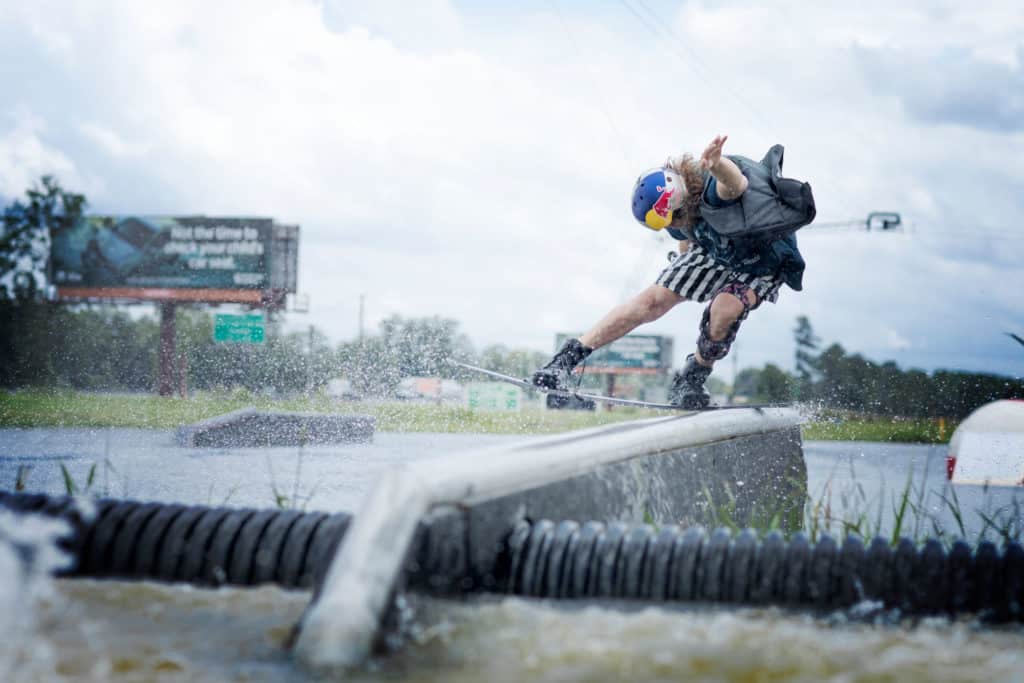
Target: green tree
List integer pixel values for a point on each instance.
(770, 384)
(101, 347)
(514, 362)
(29, 324)
(25, 239)
(806, 357)
(746, 382)
(366, 364)
(420, 346)
(405, 347)
(774, 385)
(831, 364)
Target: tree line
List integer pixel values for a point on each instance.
(104, 347)
(100, 347)
(835, 378)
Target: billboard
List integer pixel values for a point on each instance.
(195, 258)
(640, 354)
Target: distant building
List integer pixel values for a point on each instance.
(430, 388)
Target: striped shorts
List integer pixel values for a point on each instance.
(696, 277)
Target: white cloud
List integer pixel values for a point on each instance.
(896, 341)
(25, 157)
(476, 162)
(109, 142)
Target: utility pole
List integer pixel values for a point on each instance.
(309, 364)
(362, 302)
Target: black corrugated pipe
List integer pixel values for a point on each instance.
(594, 560)
(216, 546)
(201, 545)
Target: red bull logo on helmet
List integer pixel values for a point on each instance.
(656, 195)
(660, 214)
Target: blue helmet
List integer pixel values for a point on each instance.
(652, 197)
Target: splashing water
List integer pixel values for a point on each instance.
(29, 556)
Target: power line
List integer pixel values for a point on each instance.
(716, 82)
(650, 247)
(691, 57)
(601, 101)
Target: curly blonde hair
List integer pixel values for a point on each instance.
(693, 179)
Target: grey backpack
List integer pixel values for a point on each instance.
(772, 206)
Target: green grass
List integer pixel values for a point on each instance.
(846, 509)
(37, 408)
(897, 430)
(76, 409)
(839, 513)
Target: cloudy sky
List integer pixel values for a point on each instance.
(474, 160)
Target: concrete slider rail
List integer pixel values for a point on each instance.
(668, 470)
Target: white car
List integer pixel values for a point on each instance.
(341, 388)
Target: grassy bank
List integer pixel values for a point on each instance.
(76, 409)
(897, 430)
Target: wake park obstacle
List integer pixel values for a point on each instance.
(252, 428)
(614, 513)
(460, 510)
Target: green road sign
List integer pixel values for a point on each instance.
(493, 396)
(238, 329)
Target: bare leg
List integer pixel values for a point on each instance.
(645, 307)
(726, 309)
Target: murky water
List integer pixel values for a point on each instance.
(116, 631)
(108, 631)
(865, 484)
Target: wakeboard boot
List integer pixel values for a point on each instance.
(687, 390)
(555, 375)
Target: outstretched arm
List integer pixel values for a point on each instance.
(731, 181)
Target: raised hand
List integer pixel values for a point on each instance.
(713, 152)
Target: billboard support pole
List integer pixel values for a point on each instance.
(182, 374)
(168, 335)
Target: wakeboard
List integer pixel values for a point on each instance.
(615, 400)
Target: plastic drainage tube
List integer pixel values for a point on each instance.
(195, 544)
(594, 560)
(217, 546)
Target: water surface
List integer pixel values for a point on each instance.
(83, 630)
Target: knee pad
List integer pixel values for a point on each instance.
(711, 349)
